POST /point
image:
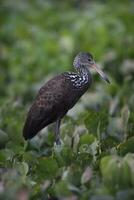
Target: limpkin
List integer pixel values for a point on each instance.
(59, 95)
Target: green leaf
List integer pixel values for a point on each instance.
(129, 158)
(2, 158)
(74, 174)
(63, 155)
(86, 176)
(126, 147)
(3, 139)
(16, 148)
(62, 189)
(95, 120)
(92, 121)
(6, 157)
(47, 168)
(116, 172)
(21, 167)
(86, 139)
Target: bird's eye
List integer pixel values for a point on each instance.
(89, 59)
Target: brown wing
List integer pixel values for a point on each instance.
(50, 104)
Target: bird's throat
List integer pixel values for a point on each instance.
(82, 70)
(84, 74)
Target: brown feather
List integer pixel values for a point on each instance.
(52, 101)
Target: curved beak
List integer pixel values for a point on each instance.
(101, 73)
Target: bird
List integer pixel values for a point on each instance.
(57, 96)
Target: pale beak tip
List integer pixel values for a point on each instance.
(106, 79)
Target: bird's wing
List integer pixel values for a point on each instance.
(37, 118)
(48, 105)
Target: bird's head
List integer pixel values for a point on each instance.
(86, 59)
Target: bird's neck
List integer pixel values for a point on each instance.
(83, 71)
(85, 75)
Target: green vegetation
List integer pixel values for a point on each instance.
(96, 159)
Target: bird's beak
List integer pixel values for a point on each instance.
(102, 74)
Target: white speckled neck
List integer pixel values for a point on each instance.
(83, 78)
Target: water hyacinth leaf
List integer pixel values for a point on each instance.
(103, 118)
(15, 147)
(3, 139)
(2, 157)
(90, 149)
(30, 157)
(7, 155)
(129, 158)
(86, 176)
(91, 122)
(75, 142)
(131, 124)
(62, 189)
(86, 139)
(116, 172)
(114, 106)
(94, 149)
(125, 114)
(63, 155)
(74, 175)
(126, 147)
(21, 167)
(95, 120)
(47, 168)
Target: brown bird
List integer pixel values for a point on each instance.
(59, 95)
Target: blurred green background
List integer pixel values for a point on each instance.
(39, 39)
